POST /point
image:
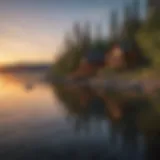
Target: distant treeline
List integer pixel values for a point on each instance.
(25, 68)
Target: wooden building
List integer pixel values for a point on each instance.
(123, 55)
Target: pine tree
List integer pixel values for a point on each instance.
(131, 20)
(114, 24)
(126, 21)
(135, 10)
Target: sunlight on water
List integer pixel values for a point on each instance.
(23, 111)
(47, 119)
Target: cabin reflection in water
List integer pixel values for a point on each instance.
(115, 118)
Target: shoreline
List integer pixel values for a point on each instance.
(144, 85)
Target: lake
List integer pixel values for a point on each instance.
(48, 122)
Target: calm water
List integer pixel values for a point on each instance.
(47, 123)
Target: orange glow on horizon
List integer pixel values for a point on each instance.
(8, 59)
(21, 46)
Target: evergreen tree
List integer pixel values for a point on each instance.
(148, 38)
(114, 25)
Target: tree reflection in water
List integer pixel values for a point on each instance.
(121, 118)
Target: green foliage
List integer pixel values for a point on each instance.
(76, 45)
(148, 38)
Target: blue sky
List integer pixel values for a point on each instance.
(33, 30)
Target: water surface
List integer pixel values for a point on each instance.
(46, 123)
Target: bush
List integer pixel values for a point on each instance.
(148, 38)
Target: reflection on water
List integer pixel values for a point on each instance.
(129, 125)
(58, 123)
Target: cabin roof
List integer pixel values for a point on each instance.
(125, 46)
(95, 56)
(98, 55)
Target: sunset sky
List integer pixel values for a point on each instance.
(33, 30)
